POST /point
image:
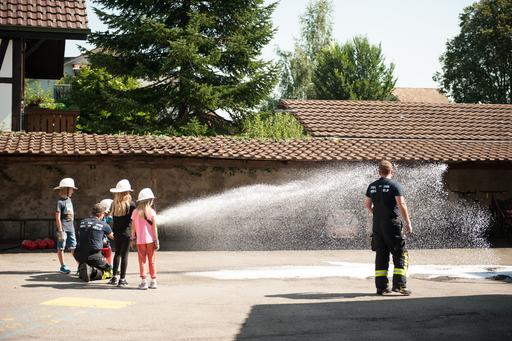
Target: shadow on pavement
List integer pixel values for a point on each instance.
(484, 317)
(318, 296)
(57, 280)
(54, 274)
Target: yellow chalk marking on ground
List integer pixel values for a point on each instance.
(8, 319)
(87, 303)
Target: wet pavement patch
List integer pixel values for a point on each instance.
(356, 270)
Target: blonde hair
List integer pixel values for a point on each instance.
(143, 208)
(63, 191)
(121, 204)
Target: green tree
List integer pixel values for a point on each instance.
(272, 125)
(197, 56)
(355, 70)
(297, 67)
(477, 64)
(105, 106)
(194, 128)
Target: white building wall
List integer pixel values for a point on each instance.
(46, 84)
(6, 91)
(68, 69)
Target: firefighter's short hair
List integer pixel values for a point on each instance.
(385, 168)
(97, 209)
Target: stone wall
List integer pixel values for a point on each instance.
(480, 181)
(30, 194)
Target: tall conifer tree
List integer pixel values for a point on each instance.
(197, 56)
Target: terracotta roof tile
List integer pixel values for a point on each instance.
(428, 95)
(70, 14)
(26, 144)
(399, 120)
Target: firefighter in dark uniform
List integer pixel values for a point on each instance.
(384, 199)
(93, 265)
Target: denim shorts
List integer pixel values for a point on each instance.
(70, 241)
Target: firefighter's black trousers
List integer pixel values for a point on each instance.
(97, 262)
(388, 237)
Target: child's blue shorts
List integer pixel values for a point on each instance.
(70, 241)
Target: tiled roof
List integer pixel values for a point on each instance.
(401, 120)
(43, 144)
(428, 95)
(47, 14)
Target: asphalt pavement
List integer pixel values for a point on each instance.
(260, 295)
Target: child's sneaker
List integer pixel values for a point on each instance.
(64, 269)
(143, 285)
(153, 285)
(78, 271)
(122, 283)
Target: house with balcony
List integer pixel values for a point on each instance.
(33, 35)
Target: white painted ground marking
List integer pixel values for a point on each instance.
(355, 270)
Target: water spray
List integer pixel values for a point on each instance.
(294, 215)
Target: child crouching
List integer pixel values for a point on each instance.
(145, 235)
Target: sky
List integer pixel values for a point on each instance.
(412, 33)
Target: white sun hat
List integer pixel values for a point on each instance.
(107, 203)
(65, 183)
(146, 194)
(122, 186)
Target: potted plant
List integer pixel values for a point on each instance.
(36, 97)
(42, 113)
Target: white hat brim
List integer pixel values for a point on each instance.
(58, 187)
(146, 199)
(115, 190)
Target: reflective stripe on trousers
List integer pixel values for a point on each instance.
(379, 273)
(400, 271)
(401, 262)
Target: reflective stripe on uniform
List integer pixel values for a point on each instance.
(403, 272)
(400, 272)
(379, 273)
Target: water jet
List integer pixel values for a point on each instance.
(294, 215)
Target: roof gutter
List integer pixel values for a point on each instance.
(43, 33)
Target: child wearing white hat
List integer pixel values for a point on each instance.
(107, 249)
(64, 218)
(122, 208)
(145, 233)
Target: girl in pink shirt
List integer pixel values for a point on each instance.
(144, 231)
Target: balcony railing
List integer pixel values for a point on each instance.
(50, 120)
